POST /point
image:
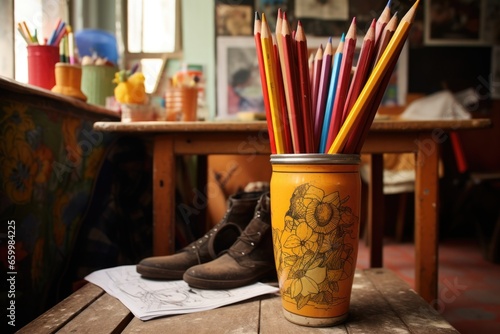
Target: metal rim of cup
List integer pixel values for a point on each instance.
(316, 159)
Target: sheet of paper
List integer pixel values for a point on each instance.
(324, 10)
(148, 299)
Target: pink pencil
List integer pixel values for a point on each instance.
(324, 82)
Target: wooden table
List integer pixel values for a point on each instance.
(380, 303)
(385, 136)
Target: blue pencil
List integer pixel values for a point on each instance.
(334, 78)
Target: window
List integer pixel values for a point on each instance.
(149, 30)
(152, 33)
(40, 17)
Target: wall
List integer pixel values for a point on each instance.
(198, 37)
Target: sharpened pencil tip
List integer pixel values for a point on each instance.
(342, 38)
(257, 16)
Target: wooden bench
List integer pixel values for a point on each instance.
(381, 302)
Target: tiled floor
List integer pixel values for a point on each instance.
(469, 286)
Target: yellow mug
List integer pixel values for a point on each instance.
(315, 210)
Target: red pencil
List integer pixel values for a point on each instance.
(324, 82)
(294, 115)
(356, 140)
(362, 69)
(305, 88)
(263, 81)
(343, 83)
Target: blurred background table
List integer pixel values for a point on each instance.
(423, 138)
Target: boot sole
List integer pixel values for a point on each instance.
(158, 273)
(201, 283)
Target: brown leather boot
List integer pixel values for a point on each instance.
(240, 211)
(250, 259)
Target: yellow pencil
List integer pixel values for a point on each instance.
(28, 33)
(272, 88)
(391, 52)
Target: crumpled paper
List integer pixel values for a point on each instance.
(440, 105)
(399, 169)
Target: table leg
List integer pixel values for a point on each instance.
(163, 195)
(426, 217)
(376, 211)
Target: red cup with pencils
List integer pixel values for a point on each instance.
(42, 60)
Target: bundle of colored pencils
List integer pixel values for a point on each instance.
(326, 105)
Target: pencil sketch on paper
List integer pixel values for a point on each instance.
(155, 295)
(148, 299)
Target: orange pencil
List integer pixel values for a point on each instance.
(263, 80)
(376, 79)
(294, 115)
(305, 88)
(272, 84)
(343, 83)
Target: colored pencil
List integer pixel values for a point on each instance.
(332, 89)
(386, 36)
(287, 139)
(365, 122)
(343, 82)
(324, 81)
(282, 78)
(54, 33)
(316, 75)
(24, 34)
(256, 30)
(382, 20)
(305, 88)
(362, 126)
(272, 88)
(362, 69)
(294, 115)
(375, 81)
(27, 31)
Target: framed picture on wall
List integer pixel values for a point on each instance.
(238, 78)
(454, 22)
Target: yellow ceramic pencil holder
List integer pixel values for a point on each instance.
(69, 80)
(315, 209)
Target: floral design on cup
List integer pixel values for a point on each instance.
(314, 251)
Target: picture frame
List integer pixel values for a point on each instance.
(238, 78)
(455, 22)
